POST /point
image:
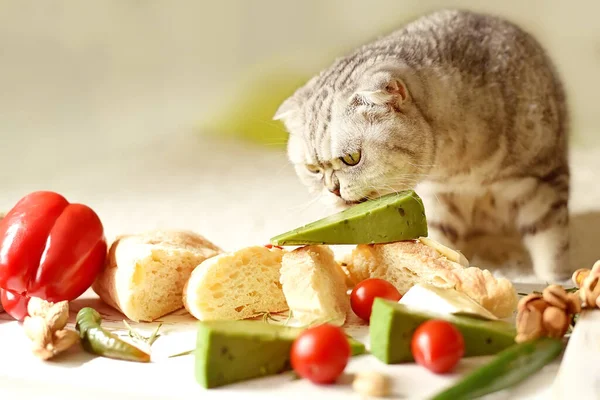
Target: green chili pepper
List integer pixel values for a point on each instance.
(98, 341)
(508, 368)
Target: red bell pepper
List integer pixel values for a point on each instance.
(50, 248)
(14, 304)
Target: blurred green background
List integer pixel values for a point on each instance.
(287, 42)
(223, 67)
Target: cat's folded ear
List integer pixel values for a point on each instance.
(382, 88)
(287, 108)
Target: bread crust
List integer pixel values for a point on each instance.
(407, 263)
(159, 258)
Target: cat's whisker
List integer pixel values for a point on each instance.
(402, 177)
(401, 182)
(422, 165)
(303, 206)
(280, 169)
(270, 123)
(416, 175)
(388, 189)
(278, 144)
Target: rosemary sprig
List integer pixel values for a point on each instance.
(569, 290)
(184, 353)
(155, 335)
(267, 316)
(287, 321)
(134, 334)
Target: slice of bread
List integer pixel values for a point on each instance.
(407, 263)
(145, 273)
(314, 285)
(343, 260)
(238, 285)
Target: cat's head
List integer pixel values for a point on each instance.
(358, 142)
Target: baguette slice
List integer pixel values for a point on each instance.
(314, 285)
(145, 273)
(238, 285)
(407, 263)
(343, 260)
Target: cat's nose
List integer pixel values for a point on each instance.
(333, 184)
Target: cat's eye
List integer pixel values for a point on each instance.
(351, 159)
(313, 168)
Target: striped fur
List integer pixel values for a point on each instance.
(466, 108)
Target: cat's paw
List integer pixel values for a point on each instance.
(550, 254)
(554, 273)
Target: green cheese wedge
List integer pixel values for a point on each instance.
(234, 351)
(392, 326)
(356, 348)
(390, 218)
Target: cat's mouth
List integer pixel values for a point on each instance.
(354, 202)
(370, 196)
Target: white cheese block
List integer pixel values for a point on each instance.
(445, 301)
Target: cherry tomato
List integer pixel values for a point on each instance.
(363, 295)
(15, 305)
(438, 346)
(320, 354)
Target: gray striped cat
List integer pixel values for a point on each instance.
(467, 109)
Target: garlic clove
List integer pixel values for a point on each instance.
(64, 339)
(55, 314)
(371, 383)
(37, 330)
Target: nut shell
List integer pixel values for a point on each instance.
(526, 302)
(556, 296)
(555, 322)
(590, 290)
(579, 275)
(529, 325)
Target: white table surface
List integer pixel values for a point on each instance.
(76, 372)
(236, 195)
